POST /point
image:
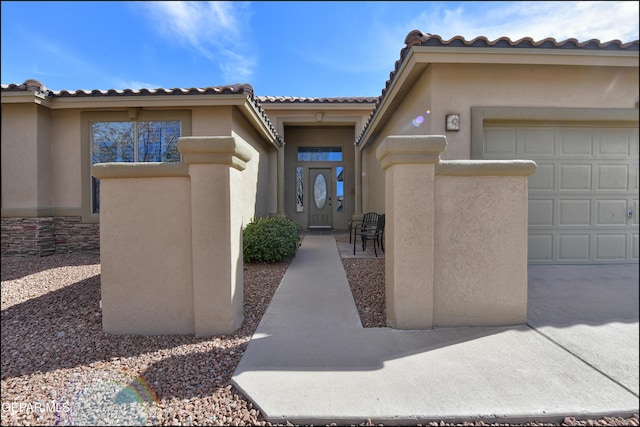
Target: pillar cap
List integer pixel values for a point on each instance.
(410, 149)
(224, 150)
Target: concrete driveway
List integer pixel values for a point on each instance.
(592, 312)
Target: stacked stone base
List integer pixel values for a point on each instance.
(42, 236)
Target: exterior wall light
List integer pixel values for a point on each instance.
(453, 122)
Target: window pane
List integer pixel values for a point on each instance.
(112, 142)
(95, 194)
(340, 188)
(319, 154)
(299, 189)
(320, 191)
(158, 141)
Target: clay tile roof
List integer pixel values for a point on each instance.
(418, 38)
(302, 100)
(235, 89)
(35, 85)
(220, 90)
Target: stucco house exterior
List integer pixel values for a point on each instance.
(570, 106)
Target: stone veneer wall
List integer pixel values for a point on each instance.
(48, 235)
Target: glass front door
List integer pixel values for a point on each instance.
(321, 201)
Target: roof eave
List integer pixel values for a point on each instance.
(419, 57)
(251, 112)
(317, 106)
(127, 101)
(25, 97)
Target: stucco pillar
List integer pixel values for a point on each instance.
(280, 191)
(215, 165)
(409, 165)
(357, 214)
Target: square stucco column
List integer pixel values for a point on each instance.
(409, 165)
(215, 165)
(280, 183)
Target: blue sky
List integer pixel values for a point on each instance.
(310, 49)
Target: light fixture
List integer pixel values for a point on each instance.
(133, 113)
(453, 122)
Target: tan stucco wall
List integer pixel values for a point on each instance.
(189, 280)
(455, 88)
(319, 136)
(26, 152)
(259, 198)
(66, 159)
(212, 120)
(373, 180)
(304, 114)
(523, 86)
(455, 237)
(146, 282)
(480, 266)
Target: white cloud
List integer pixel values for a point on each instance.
(133, 84)
(214, 29)
(582, 20)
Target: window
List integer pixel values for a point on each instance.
(142, 141)
(319, 154)
(299, 189)
(339, 189)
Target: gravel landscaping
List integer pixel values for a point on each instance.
(58, 367)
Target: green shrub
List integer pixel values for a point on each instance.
(270, 239)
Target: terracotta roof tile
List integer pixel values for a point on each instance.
(418, 38)
(302, 100)
(34, 85)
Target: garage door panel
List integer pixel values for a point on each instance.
(587, 180)
(635, 146)
(574, 213)
(615, 142)
(611, 212)
(500, 142)
(613, 177)
(575, 142)
(543, 178)
(540, 247)
(611, 247)
(541, 212)
(538, 142)
(575, 177)
(573, 247)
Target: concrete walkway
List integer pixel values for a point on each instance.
(311, 362)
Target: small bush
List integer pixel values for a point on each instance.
(270, 239)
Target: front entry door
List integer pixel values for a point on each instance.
(320, 206)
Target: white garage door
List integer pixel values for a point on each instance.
(583, 198)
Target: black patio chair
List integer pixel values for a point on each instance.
(376, 235)
(368, 225)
